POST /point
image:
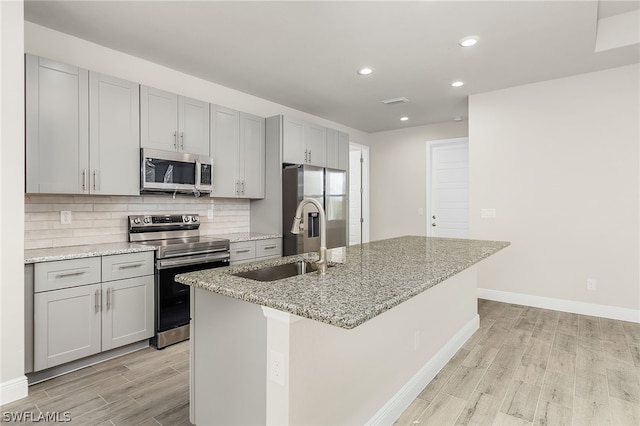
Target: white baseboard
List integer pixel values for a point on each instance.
(390, 412)
(13, 390)
(591, 309)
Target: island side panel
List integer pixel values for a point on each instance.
(228, 361)
(344, 377)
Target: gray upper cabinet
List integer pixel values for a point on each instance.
(114, 123)
(173, 123)
(303, 143)
(82, 131)
(337, 150)
(57, 133)
(237, 148)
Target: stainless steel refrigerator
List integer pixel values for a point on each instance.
(327, 186)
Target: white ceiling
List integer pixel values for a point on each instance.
(305, 54)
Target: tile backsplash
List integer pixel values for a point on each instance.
(99, 219)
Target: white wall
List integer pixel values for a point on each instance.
(559, 160)
(13, 384)
(398, 177)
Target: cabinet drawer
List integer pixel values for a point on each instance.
(66, 273)
(242, 250)
(130, 265)
(269, 248)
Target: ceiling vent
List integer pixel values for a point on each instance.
(395, 101)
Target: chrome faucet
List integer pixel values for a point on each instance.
(295, 229)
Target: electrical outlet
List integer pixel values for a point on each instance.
(277, 367)
(65, 217)
(592, 284)
(210, 213)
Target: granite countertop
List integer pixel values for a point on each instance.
(79, 252)
(364, 281)
(237, 237)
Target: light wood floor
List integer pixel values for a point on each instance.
(523, 366)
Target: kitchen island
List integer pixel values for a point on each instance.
(354, 346)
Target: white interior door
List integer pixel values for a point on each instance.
(449, 189)
(358, 194)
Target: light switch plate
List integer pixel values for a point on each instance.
(487, 213)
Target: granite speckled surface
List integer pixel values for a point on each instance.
(246, 236)
(79, 252)
(374, 278)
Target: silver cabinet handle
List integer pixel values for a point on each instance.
(175, 140)
(97, 300)
(109, 298)
(84, 179)
(270, 247)
(309, 155)
(433, 224)
(242, 187)
(237, 187)
(95, 180)
(243, 251)
(305, 156)
(130, 266)
(182, 141)
(70, 274)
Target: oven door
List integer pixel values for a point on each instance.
(172, 298)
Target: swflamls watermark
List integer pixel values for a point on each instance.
(34, 417)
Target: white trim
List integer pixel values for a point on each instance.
(393, 409)
(572, 306)
(364, 150)
(13, 390)
(430, 146)
(281, 316)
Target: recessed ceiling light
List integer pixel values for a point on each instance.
(365, 71)
(457, 84)
(468, 41)
(404, 118)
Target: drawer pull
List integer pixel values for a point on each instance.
(130, 265)
(270, 247)
(108, 298)
(243, 251)
(70, 274)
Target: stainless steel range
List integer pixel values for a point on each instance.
(180, 249)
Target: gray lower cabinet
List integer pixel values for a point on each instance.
(85, 306)
(248, 251)
(82, 131)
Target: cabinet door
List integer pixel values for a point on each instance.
(66, 325)
(114, 138)
(293, 144)
(252, 160)
(127, 311)
(343, 151)
(315, 138)
(225, 151)
(57, 134)
(193, 126)
(158, 119)
(333, 152)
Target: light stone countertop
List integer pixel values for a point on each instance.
(79, 252)
(246, 236)
(372, 279)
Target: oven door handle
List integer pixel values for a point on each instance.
(191, 260)
(223, 250)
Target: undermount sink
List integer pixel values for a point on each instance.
(278, 272)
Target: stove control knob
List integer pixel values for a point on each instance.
(136, 221)
(185, 218)
(194, 218)
(147, 220)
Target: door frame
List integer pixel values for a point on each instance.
(364, 152)
(430, 146)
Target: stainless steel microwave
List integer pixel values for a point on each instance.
(167, 171)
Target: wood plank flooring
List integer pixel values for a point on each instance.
(530, 366)
(524, 366)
